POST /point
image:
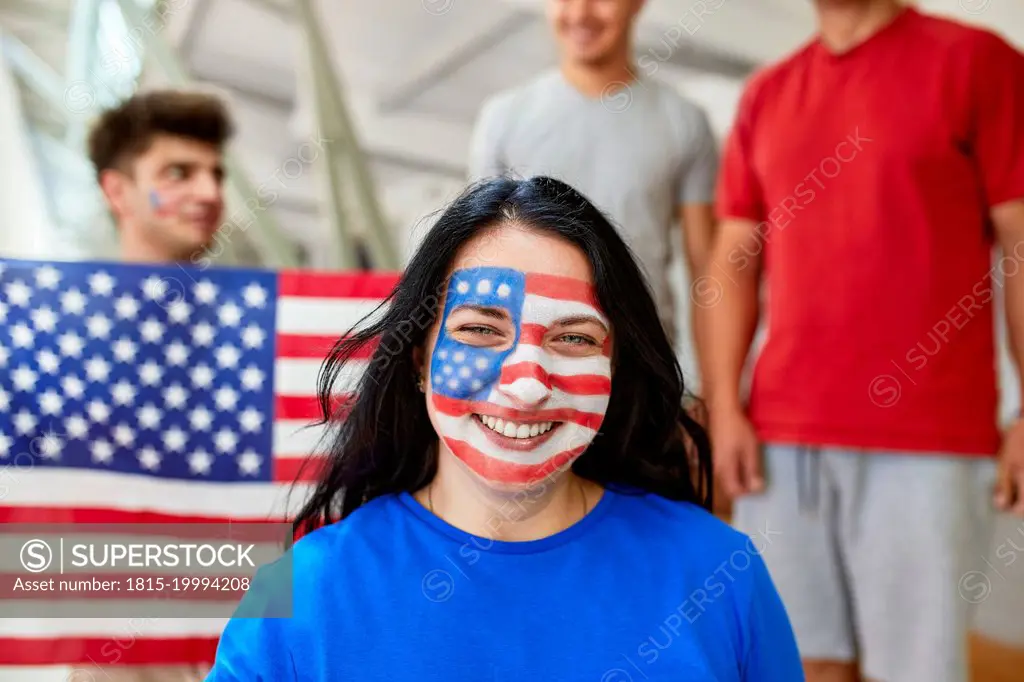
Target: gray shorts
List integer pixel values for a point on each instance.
(870, 551)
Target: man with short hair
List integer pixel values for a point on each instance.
(867, 178)
(159, 161)
(632, 144)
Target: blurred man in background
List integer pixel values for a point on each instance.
(640, 151)
(159, 161)
(872, 172)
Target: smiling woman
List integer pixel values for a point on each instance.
(516, 491)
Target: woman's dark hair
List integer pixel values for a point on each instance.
(385, 442)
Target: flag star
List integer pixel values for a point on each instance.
(462, 287)
(504, 290)
(98, 411)
(124, 350)
(443, 354)
(5, 400)
(3, 311)
(464, 372)
(124, 435)
(175, 439)
(101, 283)
(18, 293)
(250, 420)
(483, 286)
(226, 398)
(99, 326)
(175, 396)
(97, 369)
(227, 356)
(74, 387)
(5, 445)
(203, 334)
(199, 462)
(202, 375)
(447, 369)
(229, 314)
(179, 311)
(149, 459)
(5, 355)
(24, 379)
(154, 288)
(205, 292)
(48, 361)
(50, 446)
(73, 302)
(252, 378)
(476, 384)
(24, 422)
(177, 354)
(44, 319)
(255, 296)
(126, 307)
(22, 336)
(151, 330)
(76, 426)
(123, 392)
(200, 418)
(249, 463)
(459, 356)
(102, 452)
(149, 416)
(71, 344)
(453, 384)
(225, 440)
(47, 277)
(438, 379)
(50, 402)
(253, 336)
(481, 363)
(150, 373)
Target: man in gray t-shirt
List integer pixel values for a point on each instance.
(633, 145)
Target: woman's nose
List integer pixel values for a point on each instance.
(526, 384)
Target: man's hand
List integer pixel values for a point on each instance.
(1009, 493)
(736, 453)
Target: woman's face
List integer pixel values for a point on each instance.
(518, 365)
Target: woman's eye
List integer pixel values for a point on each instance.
(477, 329)
(577, 340)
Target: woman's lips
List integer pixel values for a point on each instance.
(511, 443)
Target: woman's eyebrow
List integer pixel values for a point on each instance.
(486, 311)
(579, 319)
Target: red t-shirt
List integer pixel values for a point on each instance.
(871, 175)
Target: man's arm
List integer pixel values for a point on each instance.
(1008, 219)
(698, 224)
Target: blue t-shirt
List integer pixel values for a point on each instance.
(642, 589)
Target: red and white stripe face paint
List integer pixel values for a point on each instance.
(520, 373)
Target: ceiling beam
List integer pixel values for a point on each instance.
(444, 58)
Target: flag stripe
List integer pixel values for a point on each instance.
(322, 316)
(97, 650)
(575, 384)
(300, 283)
(564, 288)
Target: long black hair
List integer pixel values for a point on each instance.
(385, 441)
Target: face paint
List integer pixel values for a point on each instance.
(161, 207)
(555, 403)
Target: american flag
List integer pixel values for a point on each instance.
(500, 383)
(158, 394)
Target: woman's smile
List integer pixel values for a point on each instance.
(515, 435)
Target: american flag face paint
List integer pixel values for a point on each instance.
(517, 413)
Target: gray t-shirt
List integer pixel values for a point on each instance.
(638, 154)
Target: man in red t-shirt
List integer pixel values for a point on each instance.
(865, 183)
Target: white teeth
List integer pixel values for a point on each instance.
(513, 430)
